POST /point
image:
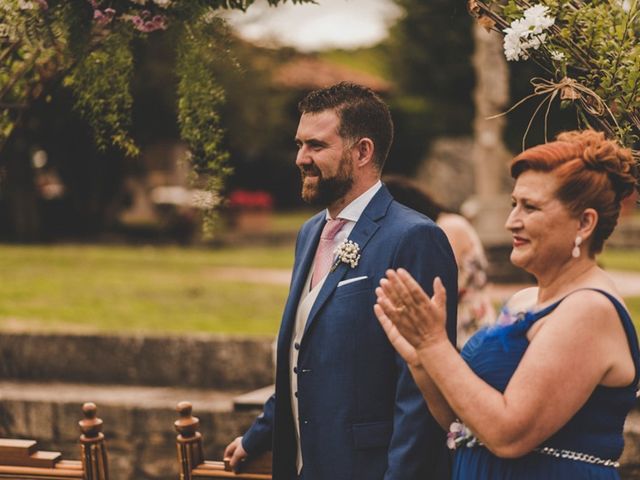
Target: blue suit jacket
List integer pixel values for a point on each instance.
(361, 415)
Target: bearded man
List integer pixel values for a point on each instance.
(346, 406)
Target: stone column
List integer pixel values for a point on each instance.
(490, 206)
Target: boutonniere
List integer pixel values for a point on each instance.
(347, 252)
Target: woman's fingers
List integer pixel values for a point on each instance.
(403, 293)
(390, 290)
(439, 294)
(389, 308)
(402, 346)
(413, 288)
(396, 291)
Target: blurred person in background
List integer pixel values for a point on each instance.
(474, 305)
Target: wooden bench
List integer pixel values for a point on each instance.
(21, 459)
(191, 454)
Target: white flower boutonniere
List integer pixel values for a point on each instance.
(347, 252)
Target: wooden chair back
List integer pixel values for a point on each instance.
(21, 459)
(191, 460)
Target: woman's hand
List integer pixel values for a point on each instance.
(418, 319)
(404, 348)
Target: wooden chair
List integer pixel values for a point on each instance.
(191, 455)
(21, 459)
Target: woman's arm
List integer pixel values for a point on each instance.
(566, 360)
(436, 403)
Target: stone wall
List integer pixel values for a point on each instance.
(204, 361)
(141, 443)
(136, 383)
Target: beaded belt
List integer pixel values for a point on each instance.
(580, 457)
(459, 435)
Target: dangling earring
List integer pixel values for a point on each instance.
(575, 253)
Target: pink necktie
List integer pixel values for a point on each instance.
(324, 253)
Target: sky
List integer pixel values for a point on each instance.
(328, 24)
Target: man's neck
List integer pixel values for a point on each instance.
(336, 207)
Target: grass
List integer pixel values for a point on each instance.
(162, 289)
(290, 221)
(620, 259)
(633, 304)
(625, 260)
(152, 289)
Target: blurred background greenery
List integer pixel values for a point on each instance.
(95, 241)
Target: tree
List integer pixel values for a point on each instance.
(588, 56)
(87, 48)
(429, 50)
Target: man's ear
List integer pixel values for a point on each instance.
(588, 223)
(365, 150)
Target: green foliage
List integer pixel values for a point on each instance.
(100, 82)
(87, 45)
(590, 56)
(200, 98)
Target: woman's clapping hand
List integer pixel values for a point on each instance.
(411, 319)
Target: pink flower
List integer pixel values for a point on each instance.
(142, 23)
(103, 18)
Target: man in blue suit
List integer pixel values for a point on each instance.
(346, 406)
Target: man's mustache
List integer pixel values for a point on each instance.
(307, 170)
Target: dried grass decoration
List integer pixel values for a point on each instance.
(589, 52)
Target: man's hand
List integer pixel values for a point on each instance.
(235, 453)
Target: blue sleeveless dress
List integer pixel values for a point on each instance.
(596, 429)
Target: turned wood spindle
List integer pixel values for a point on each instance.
(190, 450)
(94, 451)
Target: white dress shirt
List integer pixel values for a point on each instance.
(351, 213)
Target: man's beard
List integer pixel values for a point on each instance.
(327, 190)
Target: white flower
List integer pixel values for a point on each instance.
(26, 5)
(527, 33)
(625, 4)
(557, 56)
(347, 252)
(203, 199)
(162, 3)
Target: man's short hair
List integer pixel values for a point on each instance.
(361, 111)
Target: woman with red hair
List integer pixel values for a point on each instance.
(544, 393)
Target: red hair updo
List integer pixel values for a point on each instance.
(592, 172)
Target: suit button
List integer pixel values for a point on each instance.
(296, 346)
(295, 370)
(296, 394)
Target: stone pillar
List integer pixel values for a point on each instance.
(490, 206)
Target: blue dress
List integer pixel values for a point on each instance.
(596, 429)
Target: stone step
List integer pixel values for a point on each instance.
(138, 422)
(197, 361)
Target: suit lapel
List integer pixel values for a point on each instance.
(362, 232)
(299, 278)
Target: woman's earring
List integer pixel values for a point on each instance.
(575, 253)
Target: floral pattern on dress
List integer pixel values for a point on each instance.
(474, 305)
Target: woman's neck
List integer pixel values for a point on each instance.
(558, 283)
